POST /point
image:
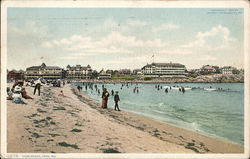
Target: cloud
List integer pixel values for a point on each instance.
(47, 44)
(117, 38)
(136, 23)
(215, 39)
(133, 61)
(30, 29)
(175, 51)
(165, 27)
(113, 43)
(24, 42)
(208, 58)
(110, 24)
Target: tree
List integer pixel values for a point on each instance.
(94, 74)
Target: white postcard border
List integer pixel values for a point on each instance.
(122, 4)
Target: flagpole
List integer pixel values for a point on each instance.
(153, 58)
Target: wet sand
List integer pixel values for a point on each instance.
(77, 124)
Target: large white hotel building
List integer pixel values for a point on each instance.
(164, 70)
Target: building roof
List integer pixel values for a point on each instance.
(52, 67)
(44, 67)
(207, 67)
(79, 67)
(15, 71)
(165, 65)
(227, 67)
(33, 68)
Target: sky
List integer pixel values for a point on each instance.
(119, 38)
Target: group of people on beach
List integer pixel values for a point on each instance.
(17, 93)
(105, 94)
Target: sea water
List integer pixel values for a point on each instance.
(212, 109)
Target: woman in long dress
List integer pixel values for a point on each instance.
(105, 95)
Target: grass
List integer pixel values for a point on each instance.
(54, 135)
(206, 149)
(190, 144)
(192, 148)
(64, 144)
(156, 134)
(110, 150)
(78, 124)
(43, 104)
(59, 108)
(140, 128)
(31, 116)
(148, 78)
(76, 130)
(36, 135)
(192, 75)
(44, 122)
(52, 123)
(48, 118)
(125, 77)
(39, 121)
(41, 111)
(50, 140)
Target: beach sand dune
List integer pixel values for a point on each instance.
(77, 124)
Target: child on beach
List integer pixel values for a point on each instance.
(116, 99)
(61, 94)
(25, 95)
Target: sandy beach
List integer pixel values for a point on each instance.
(77, 124)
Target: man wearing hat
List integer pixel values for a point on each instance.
(116, 99)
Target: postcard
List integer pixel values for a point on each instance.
(125, 79)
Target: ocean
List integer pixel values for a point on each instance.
(212, 109)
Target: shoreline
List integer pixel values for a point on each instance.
(93, 103)
(77, 124)
(219, 78)
(143, 82)
(187, 129)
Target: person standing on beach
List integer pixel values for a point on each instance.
(116, 99)
(79, 88)
(105, 96)
(37, 86)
